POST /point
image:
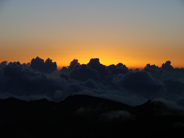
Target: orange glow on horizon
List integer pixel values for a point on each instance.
(108, 54)
(132, 63)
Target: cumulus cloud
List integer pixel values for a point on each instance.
(151, 68)
(73, 64)
(141, 82)
(167, 66)
(119, 68)
(20, 80)
(3, 63)
(84, 73)
(95, 64)
(47, 67)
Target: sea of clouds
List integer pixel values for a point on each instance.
(41, 79)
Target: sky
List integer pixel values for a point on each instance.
(128, 31)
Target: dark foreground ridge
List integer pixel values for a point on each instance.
(87, 116)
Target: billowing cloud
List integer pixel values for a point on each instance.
(95, 64)
(151, 68)
(47, 67)
(74, 64)
(3, 63)
(84, 73)
(20, 80)
(141, 82)
(119, 68)
(167, 66)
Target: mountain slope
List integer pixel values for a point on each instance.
(87, 116)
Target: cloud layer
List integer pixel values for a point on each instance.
(115, 82)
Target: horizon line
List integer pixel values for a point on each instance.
(59, 67)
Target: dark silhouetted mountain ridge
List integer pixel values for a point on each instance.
(88, 116)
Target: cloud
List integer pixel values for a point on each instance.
(2, 79)
(119, 68)
(164, 106)
(151, 68)
(59, 95)
(119, 115)
(180, 101)
(50, 66)
(47, 67)
(1, 73)
(114, 82)
(3, 63)
(141, 82)
(73, 64)
(90, 84)
(167, 66)
(83, 73)
(20, 80)
(64, 76)
(95, 64)
(74, 88)
(125, 97)
(173, 86)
